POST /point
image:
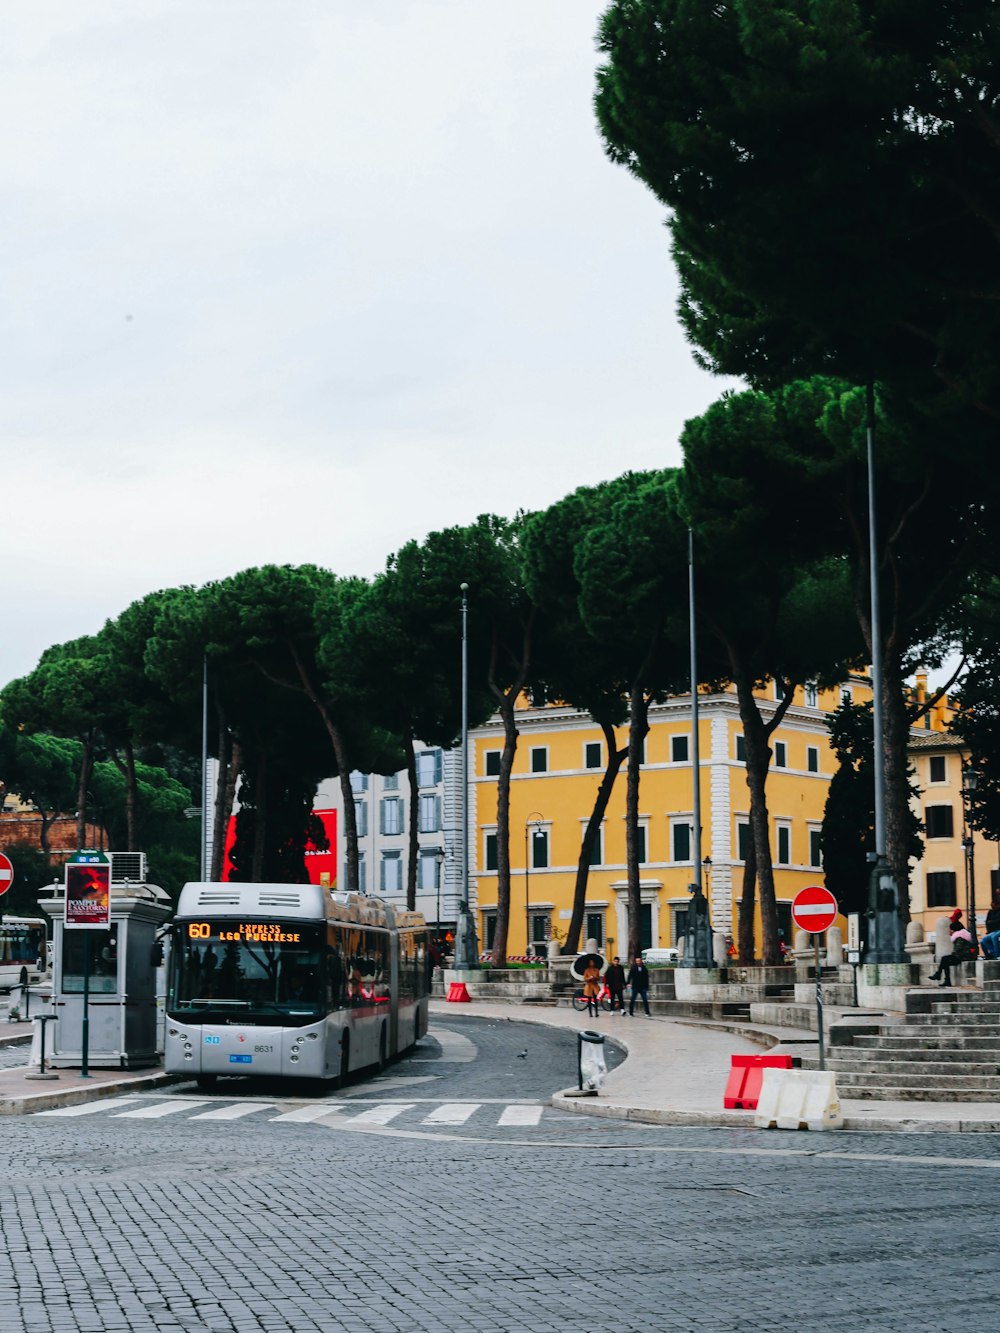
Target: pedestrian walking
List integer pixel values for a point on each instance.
(592, 988)
(638, 979)
(615, 979)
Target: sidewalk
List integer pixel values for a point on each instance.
(677, 1069)
(675, 1074)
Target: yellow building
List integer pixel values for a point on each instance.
(955, 859)
(558, 766)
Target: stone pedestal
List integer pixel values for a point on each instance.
(834, 947)
(884, 985)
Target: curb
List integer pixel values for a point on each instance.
(46, 1101)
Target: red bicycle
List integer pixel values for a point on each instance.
(580, 1000)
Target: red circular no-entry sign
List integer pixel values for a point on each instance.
(6, 873)
(814, 909)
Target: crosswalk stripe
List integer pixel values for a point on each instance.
(157, 1110)
(235, 1112)
(520, 1115)
(380, 1115)
(305, 1115)
(91, 1108)
(452, 1113)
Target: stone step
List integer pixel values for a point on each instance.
(911, 1041)
(949, 1023)
(847, 1078)
(946, 1069)
(920, 1055)
(879, 1093)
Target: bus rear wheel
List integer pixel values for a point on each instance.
(206, 1082)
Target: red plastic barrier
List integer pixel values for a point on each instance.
(746, 1076)
(458, 993)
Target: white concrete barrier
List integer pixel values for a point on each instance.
(798, 1099)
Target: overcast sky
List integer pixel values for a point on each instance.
(298, 281)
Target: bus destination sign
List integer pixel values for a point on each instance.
(249, 932)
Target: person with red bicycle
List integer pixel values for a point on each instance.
(592, 988)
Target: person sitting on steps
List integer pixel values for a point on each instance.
(961, 951)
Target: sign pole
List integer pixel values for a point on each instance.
(819, 1003)
(85, 1035)
(815, 910)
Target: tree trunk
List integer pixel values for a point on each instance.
(43, 832)
(225, 786)
(350, 830)
(414, 822)
(758, 760)
(131, 799)
(82, 791)
(260, 818)
(503, 829)
(638, 727)
(745, 942)
(615, 760)
(897, 780)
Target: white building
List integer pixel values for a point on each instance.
(382, 807)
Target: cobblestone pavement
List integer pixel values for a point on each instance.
(14, 1055)
(112, 1223)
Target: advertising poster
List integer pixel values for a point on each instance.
(88, 896)
(319, 852)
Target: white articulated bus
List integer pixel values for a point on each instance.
(292, 979)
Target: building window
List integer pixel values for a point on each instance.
(391, 815)
(780, 754)
(679, 749)
(359, 783)
(811, 694)
(392, 872)
(362, 873)
(743, 842)
(429, 814)
(939, 821)
(846, 697)
(539, 849)
(680, 840)
(784, 849)
(942, 888)
(640, 845)
(595, 928)
(541, 928)
(390, 782)
(492, 763)
(938, 768)
(490, 851)
(489, 929)
(597, 851)
(429, 871)
(428, 768)
(592, 754)
(812, 758)
(361, 818)
(539, 759)
(815, 848)
(741, 749)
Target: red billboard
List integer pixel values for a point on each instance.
(320, 851)
(88, 896)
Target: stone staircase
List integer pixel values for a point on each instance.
(947, 1049)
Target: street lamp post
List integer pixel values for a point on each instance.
(439, 859)
(533, 819)
(970, 781)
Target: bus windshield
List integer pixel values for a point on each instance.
(248, 972)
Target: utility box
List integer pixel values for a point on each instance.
(123, 968)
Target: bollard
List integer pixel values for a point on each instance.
(43, 1019)
(591, 1065)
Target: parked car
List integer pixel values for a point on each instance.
(660, 957)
